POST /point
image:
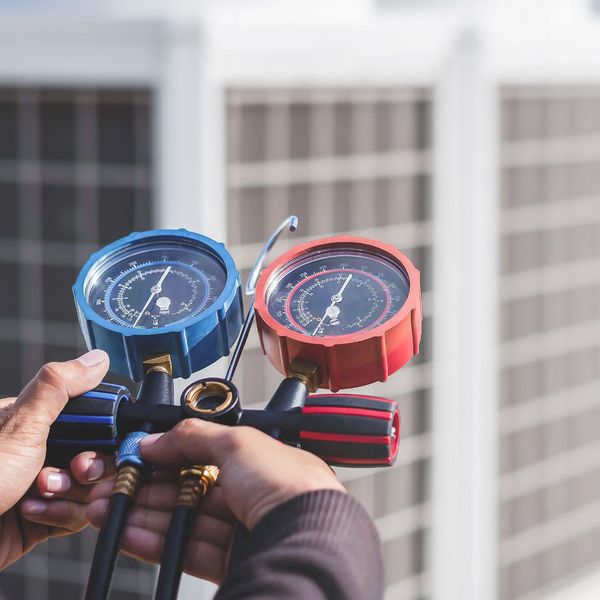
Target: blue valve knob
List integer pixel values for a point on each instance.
(88, 422)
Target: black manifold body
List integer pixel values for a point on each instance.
(344, 429)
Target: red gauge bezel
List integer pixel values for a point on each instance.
(344, 347)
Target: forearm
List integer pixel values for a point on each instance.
(321, 545)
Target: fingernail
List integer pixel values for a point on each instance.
(33, 507)
(93, 358)
(58, 482)
(95, 469)
(150, 439)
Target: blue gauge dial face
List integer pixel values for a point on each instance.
(155, 285)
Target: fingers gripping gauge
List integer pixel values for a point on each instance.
(160, 292)
(351, 306)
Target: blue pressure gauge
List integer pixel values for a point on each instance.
(160, 292)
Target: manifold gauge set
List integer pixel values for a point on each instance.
(331, 314)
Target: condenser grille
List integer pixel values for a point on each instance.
(75, 173)
(549, 503)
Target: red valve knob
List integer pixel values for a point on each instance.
(351, 430)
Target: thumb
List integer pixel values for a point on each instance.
(47, 393)
(24, 425)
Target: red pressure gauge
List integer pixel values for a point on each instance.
(349, 305)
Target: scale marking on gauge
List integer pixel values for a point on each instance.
(166, 285)
(337, 294)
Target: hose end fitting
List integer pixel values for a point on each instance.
(127, 481)
(195, 481)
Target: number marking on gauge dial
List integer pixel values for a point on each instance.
(154, 290)
(337, 294)
(332, 311)
(186, 292)
(164, 286)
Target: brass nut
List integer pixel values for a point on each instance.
(205, 389)
(306, 372)
(160, 362)
(211, 473)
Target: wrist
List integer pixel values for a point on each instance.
(286, 494)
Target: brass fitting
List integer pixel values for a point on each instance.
(128, 481)
(204, 389)
(160, 362)
(306, 372)
(194, 482)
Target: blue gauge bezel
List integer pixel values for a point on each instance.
(194, 342)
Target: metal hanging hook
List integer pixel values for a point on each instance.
(291, 224)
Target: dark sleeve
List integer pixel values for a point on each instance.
(317, 546)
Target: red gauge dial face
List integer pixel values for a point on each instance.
(336, 292)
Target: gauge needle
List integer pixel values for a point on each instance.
(331, 311)
(157, 289)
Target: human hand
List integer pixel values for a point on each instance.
(55, 505)
(257, 473)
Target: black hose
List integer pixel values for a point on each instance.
(239, 348)
(156, 389)
(107, 548)
(171, 562)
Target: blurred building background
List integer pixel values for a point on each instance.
(465, 132)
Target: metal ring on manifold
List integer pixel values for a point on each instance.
(208, 389)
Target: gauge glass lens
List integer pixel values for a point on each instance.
(155, 284)
(337, 292)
